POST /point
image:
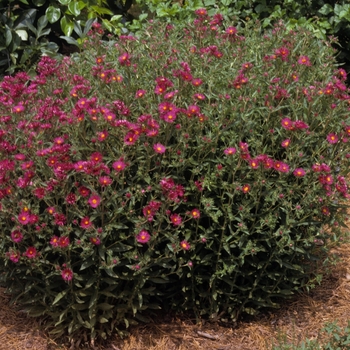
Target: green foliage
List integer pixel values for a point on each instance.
(336, 339)
(191, 168)
(29, 28)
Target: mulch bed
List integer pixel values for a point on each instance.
(300, 318)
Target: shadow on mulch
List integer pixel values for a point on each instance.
(299, 318)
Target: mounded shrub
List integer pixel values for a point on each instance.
(191, 168)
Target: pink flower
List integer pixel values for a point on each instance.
(18, 109)
(102, 135)
(304, 60)
(176, 219)
(197, 82)
(287, 124)
(185, 245)
(230, 151)
(169, 117)
(119, 165)
(67, 274)
(143, 237)
(30, 253)
(231, 31)
(281, 167)
(51, 210)
(254, 163)
(200, 97)
(285, 143)
(84, 192)
(105, 180)
(14, 256)
(299, 172)
(54, 241)
(24, 217)
(94, 201)
(332, 138)
(140, 93)
(95, 240)
(195, 213)
(71, 198)
(325, 210)
(85, 222)
(63, 242)
(16, 236)
(159, 148)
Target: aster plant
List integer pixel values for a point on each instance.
(193, 167)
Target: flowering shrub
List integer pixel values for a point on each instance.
(191, 168)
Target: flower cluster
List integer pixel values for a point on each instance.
(177, 159)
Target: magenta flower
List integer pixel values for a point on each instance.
(18, 109)
(285, 143)
(54, 241)
(169, 117)
(200, 97)
(105, 180)
(85, 222)
(195, 213)
(14, 256)
(94, 201)
(30, 253)
(230, 151)
(119, 165)
(287, 124)
(143, 237)
(130, 138)
(159, 148)
(185, 245)
(95, 240)
(67, 274)
(304, 60)
(332, 138)
(16, 236)
(63, 242)
(71, 198)
(24, 217)
(299, 172)
(176, 219)
(197, 82)
(84, 192)
(140, 93)
(325, 210)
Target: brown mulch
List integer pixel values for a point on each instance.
(300, 318)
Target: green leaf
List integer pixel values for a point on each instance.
(53, 14)
(89, 261)
(59, 296)
(74, 8)
(70, 40)
(39, 2)
(102, 10)
(102, 319)
(67, 26)
(22, 34)
(105, 306)
(8, 36)
(42, 23)
(209, 3)
(326, 9)
(64, 2)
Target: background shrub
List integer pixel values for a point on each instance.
(193, 167)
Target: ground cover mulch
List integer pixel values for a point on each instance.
(299, 318)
